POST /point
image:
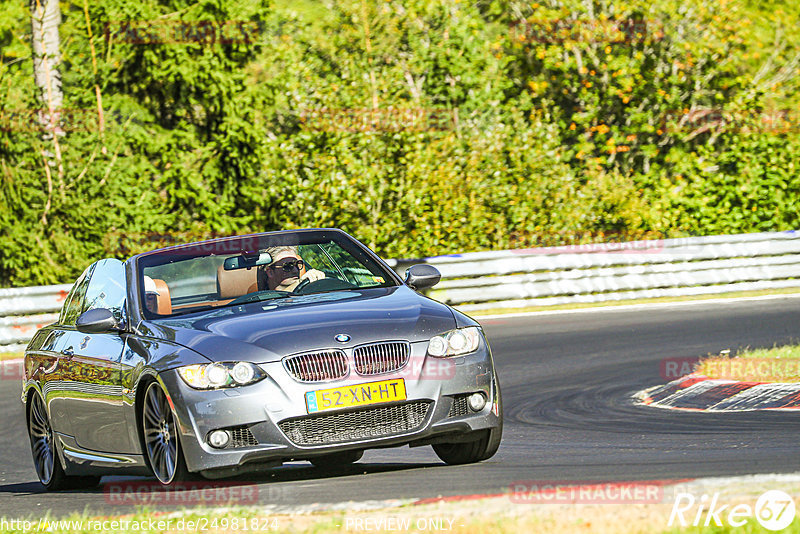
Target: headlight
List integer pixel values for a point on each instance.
(455, 342)
(221, 375)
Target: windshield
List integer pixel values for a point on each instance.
(235, 271)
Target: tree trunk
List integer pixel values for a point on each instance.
(45, 19)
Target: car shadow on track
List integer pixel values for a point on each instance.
(293, 472)
(23, 488)
(302, 472)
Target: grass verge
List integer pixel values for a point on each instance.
(494, 515)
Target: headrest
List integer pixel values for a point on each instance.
(235, 283)
(163, 301)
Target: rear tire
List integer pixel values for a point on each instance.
(44, 445)
(336, 460)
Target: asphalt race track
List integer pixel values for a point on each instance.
(566, 380)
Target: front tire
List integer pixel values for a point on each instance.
(160, 437)
(468, 452)
(482, 448)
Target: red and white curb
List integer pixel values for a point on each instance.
(700, 393)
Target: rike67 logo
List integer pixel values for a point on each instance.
(774, 510)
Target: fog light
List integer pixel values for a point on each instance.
(476, 402)
(219, 439)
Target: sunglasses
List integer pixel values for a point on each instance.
(289, 266)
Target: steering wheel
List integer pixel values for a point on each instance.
(323, 284)
(255, 296)
(303, 283)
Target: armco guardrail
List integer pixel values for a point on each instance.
(24, 310)
(617, 271)
(540, 276)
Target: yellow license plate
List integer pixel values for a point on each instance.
(357, 395)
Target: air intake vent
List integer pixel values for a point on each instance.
(241, 437)
(459, 407)
(357, 425)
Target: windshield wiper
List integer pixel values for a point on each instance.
(194, 310)
(259, 296)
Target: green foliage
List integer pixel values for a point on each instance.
(421, 127)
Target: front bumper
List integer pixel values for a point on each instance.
(262, 407)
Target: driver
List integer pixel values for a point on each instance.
(286, 271)
(151, 294)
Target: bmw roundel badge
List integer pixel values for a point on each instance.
(342, 338)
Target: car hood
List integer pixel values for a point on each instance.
(267, 331)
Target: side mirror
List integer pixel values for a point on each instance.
(97, 321)
(422, 276)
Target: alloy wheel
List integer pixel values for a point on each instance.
(160, 434)
(42, 441)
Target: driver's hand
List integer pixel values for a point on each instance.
(313, 275)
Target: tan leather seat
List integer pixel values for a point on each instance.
(235, 283)
(163, 301)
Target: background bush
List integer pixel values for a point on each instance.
(544, 123)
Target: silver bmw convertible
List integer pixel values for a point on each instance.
(237, 354)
